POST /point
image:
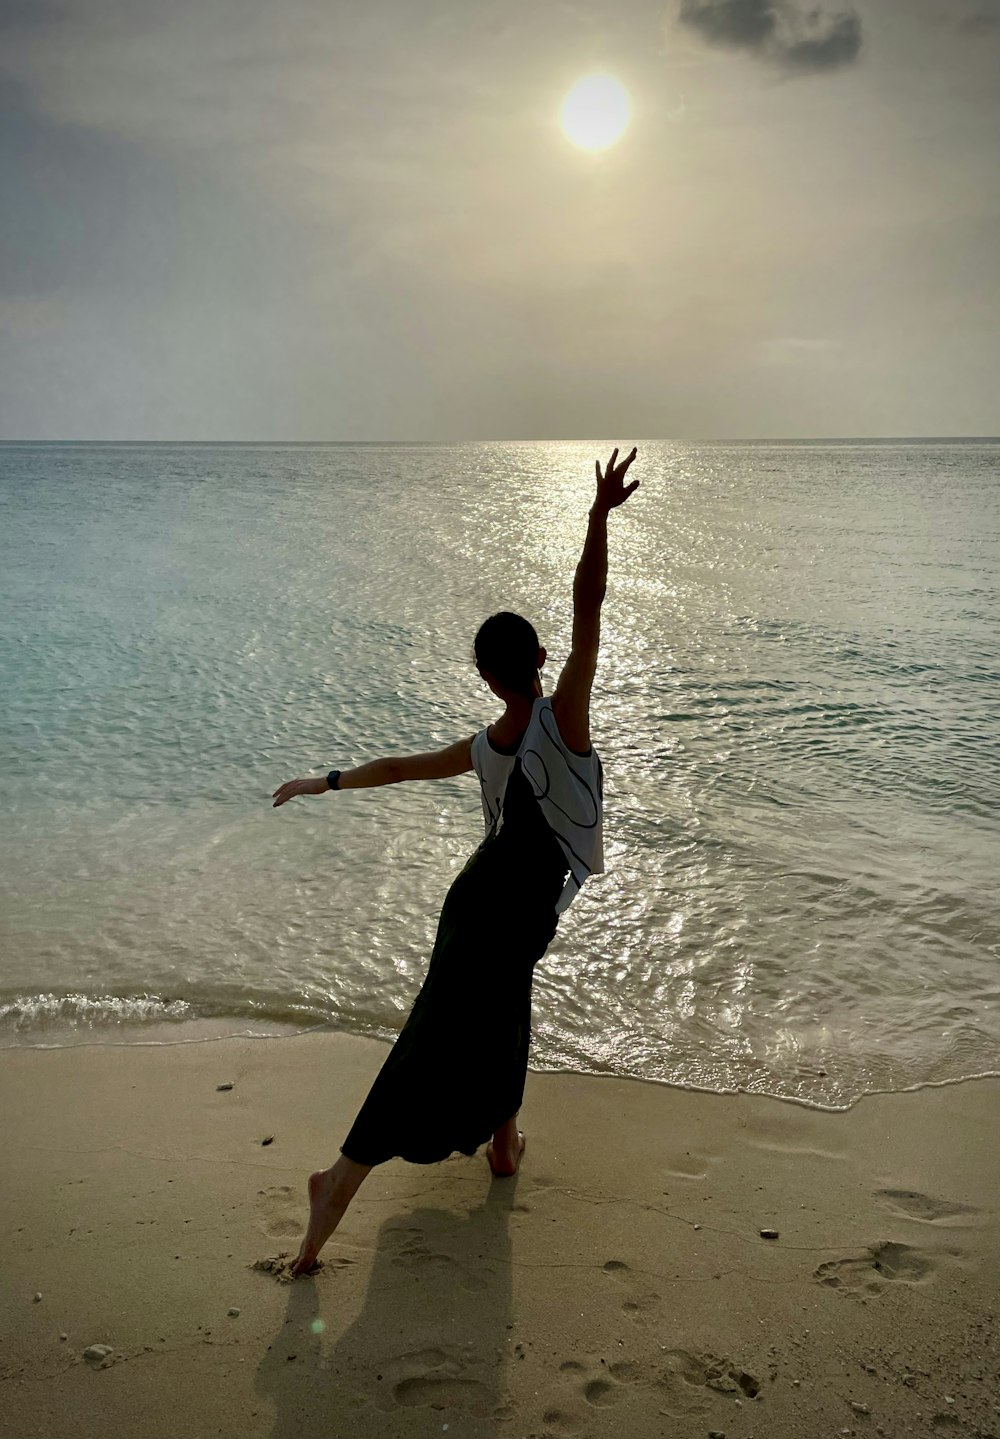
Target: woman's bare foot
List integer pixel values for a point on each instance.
(330, 1192)
(505, 1149)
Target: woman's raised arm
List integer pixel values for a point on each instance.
(571, 700)
(436, 764)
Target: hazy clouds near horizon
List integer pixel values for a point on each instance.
(225, 219)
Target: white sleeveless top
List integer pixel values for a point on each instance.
(569, 789)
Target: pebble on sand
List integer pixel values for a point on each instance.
(859, 1408)
(716, 1434)
(38, 1297)
(64, 1336)
(98, 1353)
(769, 1234)
(269, 1139)
(233, 1313)
(219, 1087)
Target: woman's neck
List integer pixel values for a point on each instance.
(508, 729)
(518, 711)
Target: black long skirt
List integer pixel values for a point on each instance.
(457, 1070)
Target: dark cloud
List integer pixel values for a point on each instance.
(838, 43)
(980, 21)
(786, 32)
(747, 24)
(20, 14)
(77, 199)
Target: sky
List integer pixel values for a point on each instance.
(359, 219)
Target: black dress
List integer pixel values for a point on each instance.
(457, 1070)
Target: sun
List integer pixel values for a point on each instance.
(596, 112)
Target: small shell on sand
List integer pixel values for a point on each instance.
(769, 1234)
(233, 1313)
(220, 1087)
(38, 1297)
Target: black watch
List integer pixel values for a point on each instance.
(333, 779)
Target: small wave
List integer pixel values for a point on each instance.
(55, 1020)
(40, 1011)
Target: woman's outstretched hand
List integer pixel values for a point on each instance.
(292, 787)
(611, 489)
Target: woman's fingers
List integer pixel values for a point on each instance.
(610, 485)
(612, 471)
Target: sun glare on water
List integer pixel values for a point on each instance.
(595, 112)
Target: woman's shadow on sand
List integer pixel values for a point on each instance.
(433, 1334)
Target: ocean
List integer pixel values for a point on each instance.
(797, 707)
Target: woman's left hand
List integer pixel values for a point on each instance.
(292, 787)
(611, 488)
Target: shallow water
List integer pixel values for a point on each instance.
(796, 707)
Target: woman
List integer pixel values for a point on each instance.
(455, 1075)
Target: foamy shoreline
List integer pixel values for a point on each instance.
(190, 1027)
(624, 1268)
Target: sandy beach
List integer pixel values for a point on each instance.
(620, 1285)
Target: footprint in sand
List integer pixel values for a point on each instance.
(599, 1385)
(684, 1372)
(909, 1204)
(559, 1421)
(680, 1377)
(606, 1382)
(280, 1265)
(880, 1264)
(282, 1211)
(442, 1391)
(413, 1254)
(639, 1298)
(439, 1379)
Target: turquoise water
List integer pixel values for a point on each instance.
(797, 708)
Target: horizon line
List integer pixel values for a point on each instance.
(551, 440)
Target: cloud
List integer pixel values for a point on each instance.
(799, 37)
(980, 21)
(796, 349)
(747, 24)
(837, 42)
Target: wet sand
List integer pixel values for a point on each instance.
(619, 1285)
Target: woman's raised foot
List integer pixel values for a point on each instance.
(326, 1209)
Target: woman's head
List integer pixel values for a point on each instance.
(508, 654)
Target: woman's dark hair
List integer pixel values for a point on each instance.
(507, 646)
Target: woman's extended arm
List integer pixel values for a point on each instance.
(571, 701)
(438, 764)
